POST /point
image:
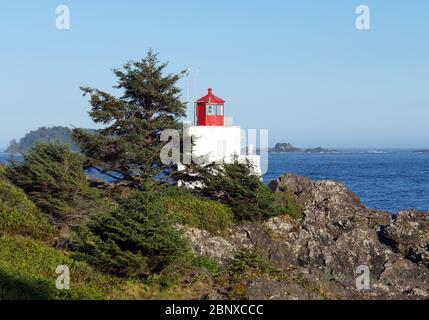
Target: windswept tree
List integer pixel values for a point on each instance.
(128, 147)
(52, 177)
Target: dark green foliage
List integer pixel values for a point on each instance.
(134, 240)
(53, 178)
(207, 263)
(247, 265)
(18, 215)
(195, 211)
(234, 185)
(249, 261)
(129, 146)
(287, 204)
(57, 134)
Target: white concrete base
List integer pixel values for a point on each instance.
(220, 144)
(215, 141)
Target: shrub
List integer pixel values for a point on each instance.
(287, 205)
(53, 178)
(27, 271)
(246, 260)
(235, 185)
(246, 264)
(197, 212)
(135, 239)
(18, 215)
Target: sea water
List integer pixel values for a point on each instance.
(389, 180)
(384, 179)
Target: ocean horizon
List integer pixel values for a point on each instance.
(384, 179)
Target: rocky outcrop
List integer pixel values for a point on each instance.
(408, 235)
(287, 147)
(321, 254)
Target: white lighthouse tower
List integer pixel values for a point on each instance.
(214, 136)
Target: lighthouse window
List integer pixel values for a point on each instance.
(214, 110)
(211, 110)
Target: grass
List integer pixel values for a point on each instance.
(27, 271)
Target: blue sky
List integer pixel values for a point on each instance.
(299, 68)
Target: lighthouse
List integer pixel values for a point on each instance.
(210, 110)
(215, 138)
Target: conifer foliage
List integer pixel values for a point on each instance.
(135, 240)
(235, 185)
(53, 178)
(129, 145)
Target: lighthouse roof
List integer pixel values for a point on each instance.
(211, 98)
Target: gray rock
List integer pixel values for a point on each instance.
(408, 235)
(336, 235)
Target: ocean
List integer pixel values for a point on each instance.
(389, 180)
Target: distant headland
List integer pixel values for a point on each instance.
(57, 134)
(287, 147)
(62, 135)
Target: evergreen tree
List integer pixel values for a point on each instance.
(53, 178)
(136, 239)
(129, 145)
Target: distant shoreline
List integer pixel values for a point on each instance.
(289, 148)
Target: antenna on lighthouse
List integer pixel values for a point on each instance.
(191, 83)
(188, 99)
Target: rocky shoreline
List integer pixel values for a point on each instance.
(319, 255)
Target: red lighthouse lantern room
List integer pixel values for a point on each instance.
(210, 110)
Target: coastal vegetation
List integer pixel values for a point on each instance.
(143, 235)
(19, 215)
(53, 178)
(234, 185)
(190, 209)
(129, 146)
(124, 238)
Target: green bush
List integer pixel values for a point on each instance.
(246, 260)
(27, 271)
(18, 215)
(197, 212)
(53, 178)
(287, 205)
(246, 264)
(135, 239)
(235, 185)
